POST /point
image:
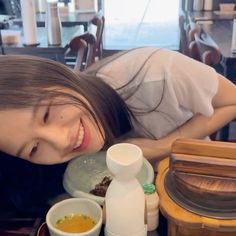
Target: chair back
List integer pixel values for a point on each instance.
(84, 48)
(98, 23)
(208, 50)
(192, 46)
(79, 47)
(183, 34)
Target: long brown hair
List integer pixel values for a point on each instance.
(26, 80)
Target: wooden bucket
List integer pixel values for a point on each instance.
(184, 221)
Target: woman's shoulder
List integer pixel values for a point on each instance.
(135, 56)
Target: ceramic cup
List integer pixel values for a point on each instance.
(74, 206)
(227, 7)
(124, 160)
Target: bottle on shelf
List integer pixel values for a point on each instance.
(29, 22)
(152, 206)
(198, 5)
(188, 5)
(208, 4)
(53, 23)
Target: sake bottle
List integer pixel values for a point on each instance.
(53, 23)
(198, 5)
(125, 199)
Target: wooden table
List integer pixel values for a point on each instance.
(210, 15)
(43, 49)
(67, 19)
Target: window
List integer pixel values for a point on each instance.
(135, 23)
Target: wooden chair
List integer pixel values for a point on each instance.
(183, 34)
(97, 27)
(192, 29)
(208, 50)
(210, 55)
(83, 46)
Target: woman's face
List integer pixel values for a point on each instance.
(49, 134)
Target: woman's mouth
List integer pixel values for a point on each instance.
(82, 140)
(80, 137)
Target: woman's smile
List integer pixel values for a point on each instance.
(82, 138)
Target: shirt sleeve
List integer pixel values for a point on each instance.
(194, 83)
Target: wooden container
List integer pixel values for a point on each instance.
(201, 173)
(204, 172)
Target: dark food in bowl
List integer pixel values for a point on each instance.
(101, 188)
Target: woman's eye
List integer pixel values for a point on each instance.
(33, 150)
(46, 115)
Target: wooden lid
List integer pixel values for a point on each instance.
(188, 221)
(204, 172)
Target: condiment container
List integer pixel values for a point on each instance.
(152, 206)
(53, 23)
(208, 4)
(198, 5)
(29, 22)
(125, 199)
(233, 42)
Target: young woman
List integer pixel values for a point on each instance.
(146, 96)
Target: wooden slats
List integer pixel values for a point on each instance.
(225, 150)
(204, 172)
(203, 165)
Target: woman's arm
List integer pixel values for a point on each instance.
(199, 126)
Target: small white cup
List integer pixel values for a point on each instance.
(11, 36)
(74, 206)
(227, 7)
(124, 160)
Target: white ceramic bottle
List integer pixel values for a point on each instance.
(233, 45)
(40, 6)
(53, 23)
(125, 199)
(198, 5)
(152, 206)
(208, 4)
(188, 5)
(29, 22)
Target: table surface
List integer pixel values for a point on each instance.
(28, 226)
(67, 19)
(211, 15)
(67, 33)
(55, 52)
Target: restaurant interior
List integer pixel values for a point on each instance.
(86, 31)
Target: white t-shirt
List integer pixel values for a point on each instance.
(174, 86)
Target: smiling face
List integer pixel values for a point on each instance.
(49, 133)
